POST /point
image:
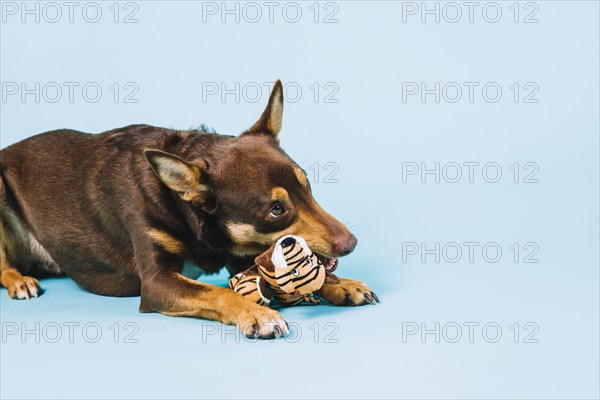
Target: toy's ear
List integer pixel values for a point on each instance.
(264, 259)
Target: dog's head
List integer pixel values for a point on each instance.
(254, 190)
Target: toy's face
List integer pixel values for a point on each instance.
(296, 267)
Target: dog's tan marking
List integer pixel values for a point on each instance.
(247, 241)
(279, 193)
(314, 232)
(250, 242)
(301, 176)
(168, 242)
(241, 233)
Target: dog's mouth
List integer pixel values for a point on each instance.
(330, 263)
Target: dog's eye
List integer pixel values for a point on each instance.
(309, 262)
(295, 272)
(277, 210)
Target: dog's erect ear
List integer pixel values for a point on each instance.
(270, 120)
(180, 176)
(264, 260)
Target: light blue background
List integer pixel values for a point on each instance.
(369, 133)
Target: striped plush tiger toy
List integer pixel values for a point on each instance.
(288, 271)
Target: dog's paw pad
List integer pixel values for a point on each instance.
(23, 288)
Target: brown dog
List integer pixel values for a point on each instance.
(123, 212)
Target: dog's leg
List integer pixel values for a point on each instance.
(12, 240)
(166, 291)
(19, 287)
(176, 295)
(346, 292)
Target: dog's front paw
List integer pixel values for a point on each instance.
(348, 292)
(23, 287)
(262, 322)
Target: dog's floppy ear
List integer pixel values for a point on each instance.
(270, 120)
(180, 176)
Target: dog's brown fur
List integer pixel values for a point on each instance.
(120, 213)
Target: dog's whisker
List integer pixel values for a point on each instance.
(353, 229)
(353, 226)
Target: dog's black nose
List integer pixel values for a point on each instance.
(289, 241)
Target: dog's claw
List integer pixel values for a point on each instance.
(254, 332)
(375, 297)
(368, 297)
(349, 300)
(277, 331)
